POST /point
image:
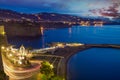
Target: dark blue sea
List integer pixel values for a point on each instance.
(91, 64)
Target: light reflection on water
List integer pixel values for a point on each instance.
(109, 34)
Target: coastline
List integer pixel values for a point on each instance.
(67, 51)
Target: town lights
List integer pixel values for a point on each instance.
(2, 47)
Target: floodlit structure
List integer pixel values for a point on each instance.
(17, 66)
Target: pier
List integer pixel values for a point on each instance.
(67, 50)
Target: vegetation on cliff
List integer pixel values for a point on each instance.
(47, 72)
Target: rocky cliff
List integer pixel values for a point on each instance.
(22, 30)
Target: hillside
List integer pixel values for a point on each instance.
(9, 15)
(12, 15)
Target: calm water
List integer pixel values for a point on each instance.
(92, 64)
(95, 64)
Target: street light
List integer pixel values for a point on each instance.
(51, 66)
(10, 55)
(20, 62)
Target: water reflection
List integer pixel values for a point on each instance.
(108, 34)
(42, 30)
(43, 42)
(70, 31)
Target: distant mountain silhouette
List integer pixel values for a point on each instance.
(13, 15)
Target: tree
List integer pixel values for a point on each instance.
(47, 69)
(47, 72)
(2, 75)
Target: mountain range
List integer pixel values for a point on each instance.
(8, 15)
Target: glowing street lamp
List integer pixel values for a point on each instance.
(10, 55)
(51, 66)
(20, 62)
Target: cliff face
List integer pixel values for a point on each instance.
(29, 29)
(22, 30)
(54, 25)
(3, 42)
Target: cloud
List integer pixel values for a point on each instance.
(63, 6)
(111, 11)
(34, 5)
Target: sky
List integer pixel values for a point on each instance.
(107, 8)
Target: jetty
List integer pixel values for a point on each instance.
(68, 50)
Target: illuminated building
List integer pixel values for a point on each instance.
(85, 23)
(98, 23)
